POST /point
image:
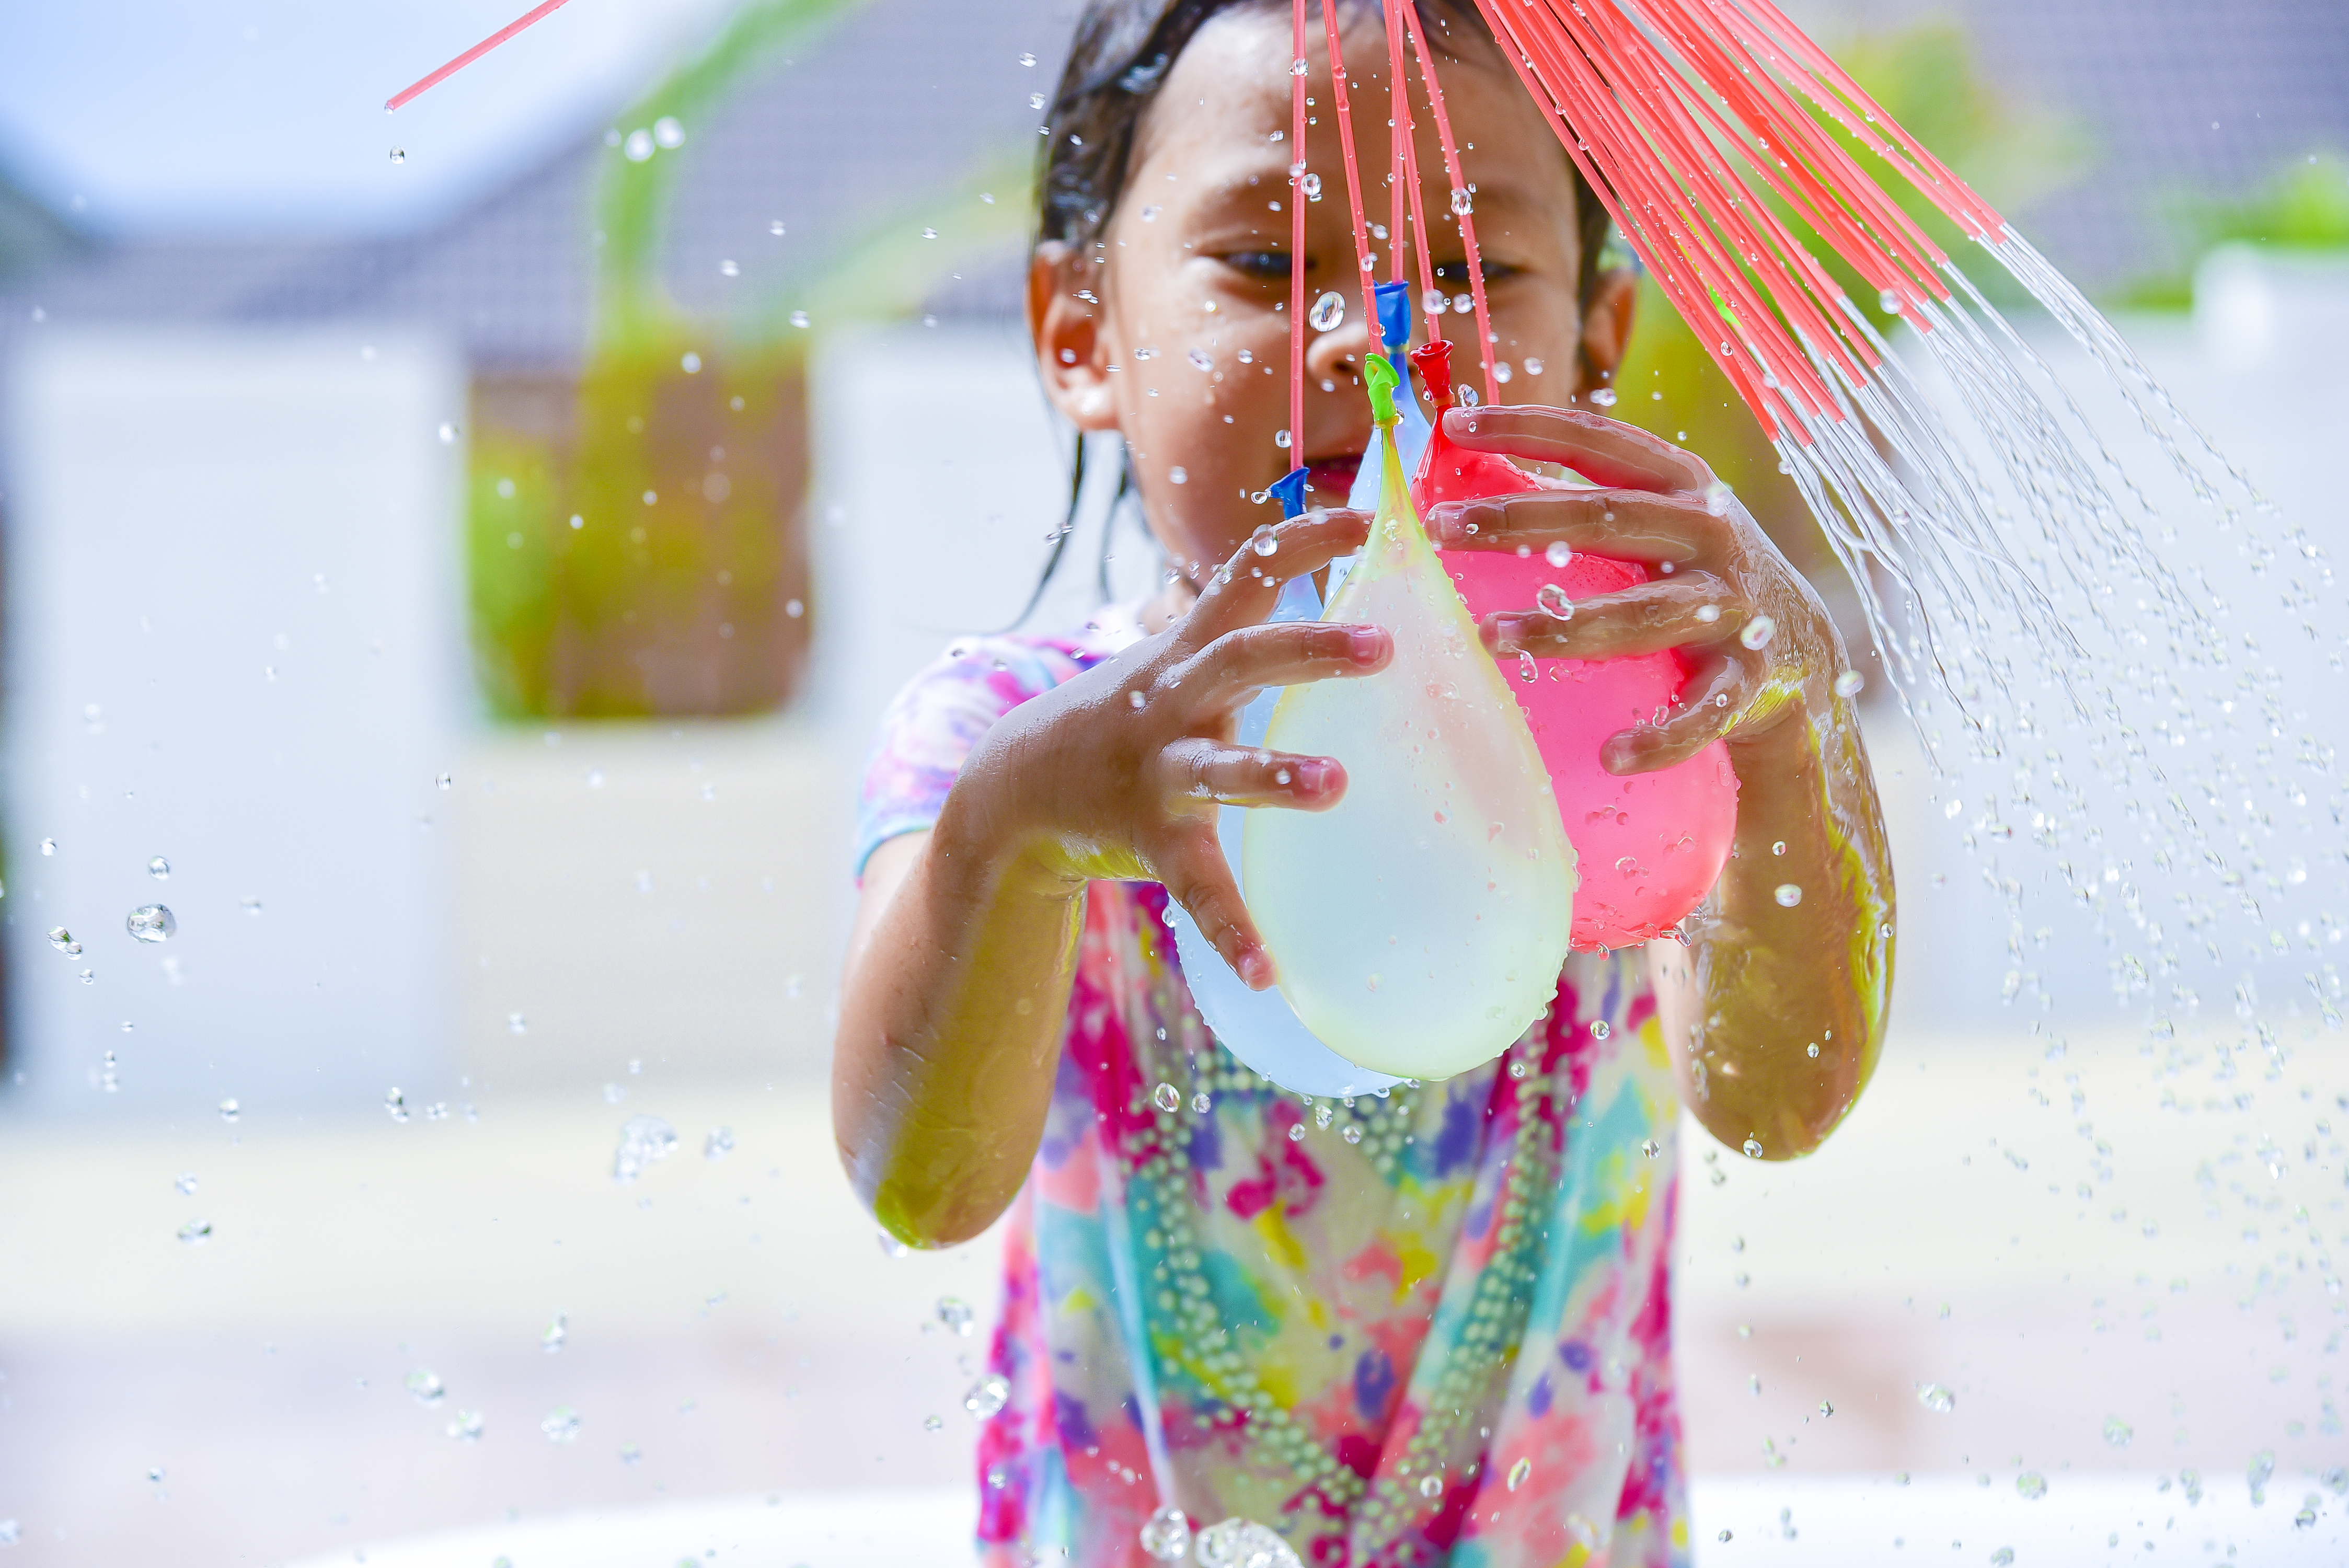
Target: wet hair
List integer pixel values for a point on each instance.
(1122, 53)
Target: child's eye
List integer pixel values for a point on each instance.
(1456, 274)
(1257, 263)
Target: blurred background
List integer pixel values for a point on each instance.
(455, 562)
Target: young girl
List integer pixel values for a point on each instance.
(1420, 1327)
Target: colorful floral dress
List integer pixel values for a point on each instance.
(1424, 1327)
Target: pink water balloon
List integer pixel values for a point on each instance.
(1650, 846)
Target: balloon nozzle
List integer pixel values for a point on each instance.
(1379, 378)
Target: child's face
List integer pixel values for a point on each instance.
(1186, 351)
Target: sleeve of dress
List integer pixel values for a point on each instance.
(930, 729)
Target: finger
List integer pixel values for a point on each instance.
(1630, 525)
(1592, 445)
(1243, 590)
(1693, 611)
(1196, 876)
(1202, 769)
(1712, 704)
(1291, 654)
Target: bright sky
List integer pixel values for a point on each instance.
(266, 117)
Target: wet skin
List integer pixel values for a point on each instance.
(965, 941)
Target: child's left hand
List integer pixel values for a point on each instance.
(1774, 1013)
(1717, 578)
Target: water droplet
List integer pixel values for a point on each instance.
(1603, 396)
(1202, 360)
(1752, 1149)
(718, 1144)
(557, 1333)
(798, 318)
(638, 146)
(1202, 1102)
(1890, 301)
(1296, 1132)
(228, 1111)
(448, 433)
(62, 940)
(988, 1395)
(1461, 202)
(667, 132)
(1788, 895)
(1026, 59)
(395, 1105)
(1936, 1398)
(196, 1233)
(891, 1247)
(2032, 1485)
(467, 1428)
(185, 1184)
(1165, 1536)
(399, 155)
(1166, 1097)
(643, 1139)
(425, 1387)
(1353, 1134)
(159, 869)
(956, 1315)
(1178, 475)
(561, 1425)
(516, 1023)
(1264, 542)
(1558, 555)
(2001, 1557)
(1431, 1486)
(48, 846)
(1849, 683)
(1517, 1069)
(1756, 633)
(2118, 1432)
(776, 228)
(1328, 312)
(151, 922)
(1601, 1028)
(1553, 602)
(1812, 1049)
(1651, 1148)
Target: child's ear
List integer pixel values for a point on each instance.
(1067, 330)
(1607, 326)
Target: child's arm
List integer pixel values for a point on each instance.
(965, 936)
(1764, 981)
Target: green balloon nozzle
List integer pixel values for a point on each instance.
(1381, 379)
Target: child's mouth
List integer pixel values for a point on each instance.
(1329, 480)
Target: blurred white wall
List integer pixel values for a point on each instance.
(233, 635)
(939, 472)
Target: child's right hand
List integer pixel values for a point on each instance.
(1117, 775)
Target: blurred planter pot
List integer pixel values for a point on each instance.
(682, 587)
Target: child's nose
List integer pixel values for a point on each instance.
(1336, 355)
